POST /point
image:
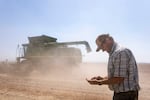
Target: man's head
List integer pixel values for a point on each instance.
(104, 42)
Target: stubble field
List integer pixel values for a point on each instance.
(65, 84)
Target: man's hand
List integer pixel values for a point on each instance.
(94, 82)
(97, 78)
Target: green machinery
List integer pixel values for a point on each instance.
(46, 51)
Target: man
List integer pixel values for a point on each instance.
(122, 70)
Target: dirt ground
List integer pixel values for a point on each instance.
(65, 84)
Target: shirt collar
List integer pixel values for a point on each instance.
(113, 48)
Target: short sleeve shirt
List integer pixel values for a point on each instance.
(123, 64)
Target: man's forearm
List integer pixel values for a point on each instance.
(114, 80)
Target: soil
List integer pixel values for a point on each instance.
(65, 84)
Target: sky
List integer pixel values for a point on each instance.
(76, 20)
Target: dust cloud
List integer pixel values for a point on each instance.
(68, 72)
(56, 69)
(59, 76)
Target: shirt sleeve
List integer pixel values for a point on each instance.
(121, 64)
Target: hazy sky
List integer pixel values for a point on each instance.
(128, 21)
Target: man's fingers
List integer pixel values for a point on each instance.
(93, 78)
(99, 78)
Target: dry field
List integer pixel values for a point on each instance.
(65, 84)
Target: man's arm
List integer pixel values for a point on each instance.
(113, 80)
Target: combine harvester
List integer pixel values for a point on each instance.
(44, 52)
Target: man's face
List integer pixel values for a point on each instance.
(105, 45)
(98, 43)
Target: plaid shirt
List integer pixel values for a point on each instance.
(122, 64)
